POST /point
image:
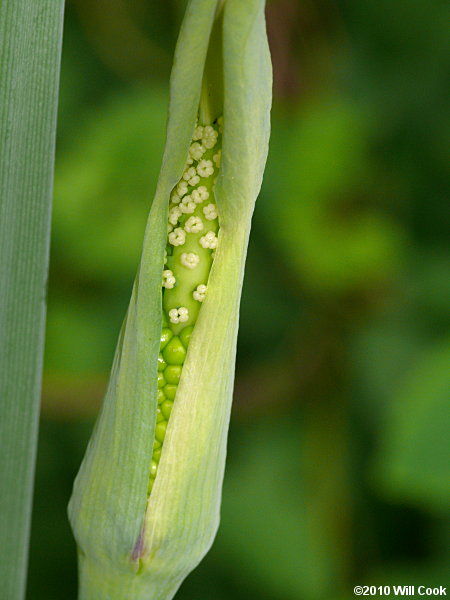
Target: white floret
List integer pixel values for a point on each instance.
(196, 150)
(183, 314)
(198, 133)
(193, 225)
(174, 215)
(187, 205)
(182, 188)
(175, 198)
(173, 315)
(189, 260)
(200, 293)
(194, 180)
(205, 168)
(210, 212)
(209, 137)
(177, 237)
(200, 194)
(209, 240)
(168, 279)
(190, 172)
(179, 315)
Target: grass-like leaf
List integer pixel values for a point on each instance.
(30, 49)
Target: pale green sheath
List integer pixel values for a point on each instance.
(145, 506)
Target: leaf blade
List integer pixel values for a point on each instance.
(30, 51)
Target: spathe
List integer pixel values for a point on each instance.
(128, 549)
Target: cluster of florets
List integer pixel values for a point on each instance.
(179, 315)
(192, 213)
(189, 260)
(210, 212)
(209, 240)
(192, 238)
(177, 237)
(199, 294)
(207, 134)
(168, 279)
(193, 225)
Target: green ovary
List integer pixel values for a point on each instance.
(192, 238)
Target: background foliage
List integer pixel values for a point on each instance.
(337, 472)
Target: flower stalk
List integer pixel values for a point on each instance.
(145, 507)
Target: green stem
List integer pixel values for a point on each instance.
(97, 584)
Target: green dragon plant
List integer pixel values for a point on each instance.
(145, 505)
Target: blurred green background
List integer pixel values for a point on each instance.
(338, 470)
